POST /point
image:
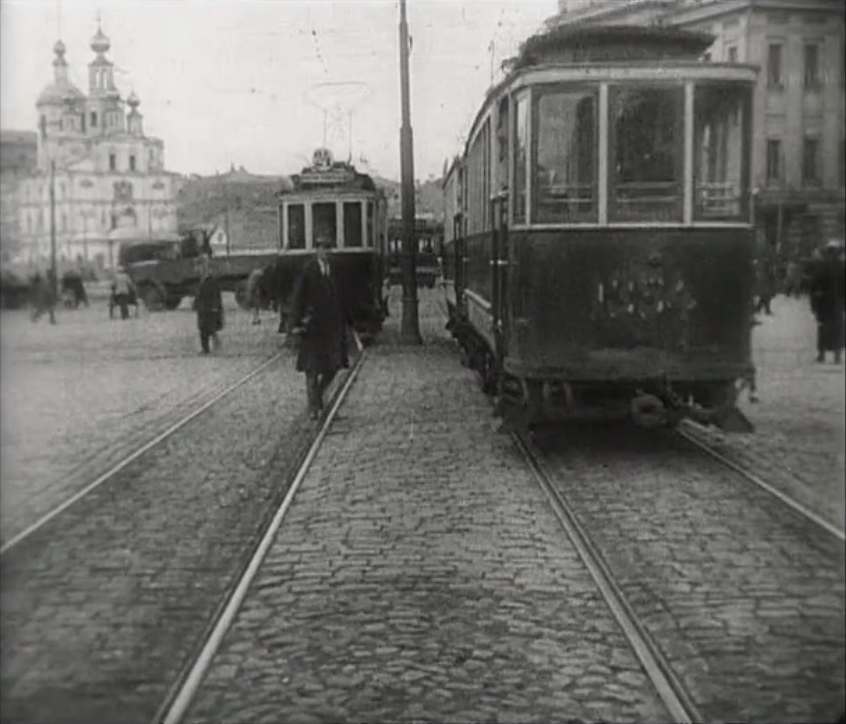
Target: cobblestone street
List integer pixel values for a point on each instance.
(420, 575)
(800, 421)
(79, 396)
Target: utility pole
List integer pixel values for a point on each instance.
(54, 281)
(410, 332)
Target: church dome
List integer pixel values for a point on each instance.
(61, 89)
(100, 43)
(132, 101)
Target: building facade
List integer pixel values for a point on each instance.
(106, 174)
(798, 149)
(18, 160)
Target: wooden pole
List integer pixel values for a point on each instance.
(410, 331)
(54, 282)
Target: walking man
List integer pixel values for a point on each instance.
(209, 304)
(44, 298)
(828, 300)
(320, 323)
(122, 290)
(254, 293)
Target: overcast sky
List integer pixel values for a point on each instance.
(239, 81)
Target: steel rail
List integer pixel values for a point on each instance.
(763, 484)
(670, 689)
(179, 699)
(111, 472)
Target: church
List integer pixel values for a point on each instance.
(109, 178)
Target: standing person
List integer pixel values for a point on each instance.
(765, 282)
(320, 322)
(44, 297)
(209, 304)
(122, 291)
(254, 293)
(828, 301)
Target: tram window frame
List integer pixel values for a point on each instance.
(520, 157)
(575, 215)
(296, 231)
(370, 221)
(353, 237)
(740, 120)
(316, 206)
(673, 209)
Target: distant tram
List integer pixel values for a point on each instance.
(598, 240)
(428, 235)
(332, 200)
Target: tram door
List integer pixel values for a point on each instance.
(458, 260)
(499, 262)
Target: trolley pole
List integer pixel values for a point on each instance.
(54, 281)
(410, 332)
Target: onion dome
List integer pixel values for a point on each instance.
(61, 89)
(132, 101)
(100, 43)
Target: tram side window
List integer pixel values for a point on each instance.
(646, 154)
(352, 224)
(371, 217)
(296, 226)
(720, 176)
(565, 169)
(521, 133)
(325, 223)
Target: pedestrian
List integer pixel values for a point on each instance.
(44, 296)
(319, 321)
(122, 292)
(828, 301)
(209, 305)
(765, 283)
(254, 293)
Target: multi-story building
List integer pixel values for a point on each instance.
(798, 149)
(106, 174)
(18, 159)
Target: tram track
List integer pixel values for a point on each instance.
(689, 436)
(117, 467)
(179, 697)
(668, 685)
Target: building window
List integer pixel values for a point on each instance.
(773, 159)
(64, 222)
(731, 54)
(810, 164)
(132, 163)
(774, 70)
(93, 119)
(112, 162)
(812, 66)
(42, 124)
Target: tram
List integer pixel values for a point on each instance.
(332, 200)
(599, 242)
(428, 235)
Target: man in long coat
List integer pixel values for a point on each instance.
(209, 304)
(828, 300)
(319, 320)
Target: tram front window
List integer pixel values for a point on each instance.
(646, 154)
(296, 226)
(565, 169)
(720, 143)
(325, 223)
(352, 224)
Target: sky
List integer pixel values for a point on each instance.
(248, 82)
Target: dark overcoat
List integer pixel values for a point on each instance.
(828, 289)
(209, 303)
(317, 310)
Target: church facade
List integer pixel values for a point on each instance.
(108, 177)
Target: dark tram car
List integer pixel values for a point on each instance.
(599, 238)
(428, 235)
(330, 199)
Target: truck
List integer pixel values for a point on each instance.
(164, 270)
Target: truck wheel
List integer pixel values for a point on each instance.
(241, 295)
(173, 302)
(153, 298)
